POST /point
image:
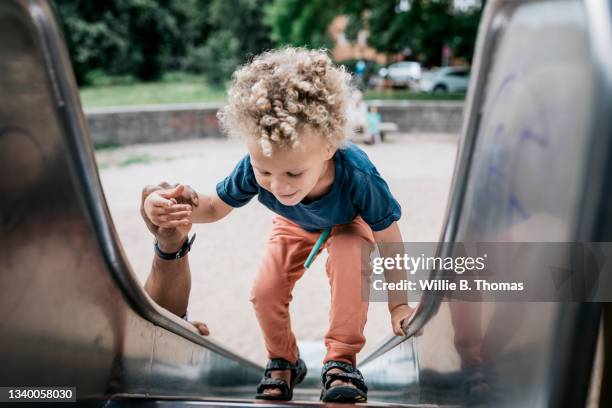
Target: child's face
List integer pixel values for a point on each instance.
(291, 173)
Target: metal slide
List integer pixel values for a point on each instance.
(72, 312)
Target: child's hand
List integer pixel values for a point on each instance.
(162, 209)
(202, 328)
(399, 314)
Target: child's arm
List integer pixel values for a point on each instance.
(391, 240)
(162, 208)
(210, 209)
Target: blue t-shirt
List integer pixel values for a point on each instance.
(357, 189)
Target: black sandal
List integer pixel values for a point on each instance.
(298, 372)
(342, 393)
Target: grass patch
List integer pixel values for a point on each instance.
(107, 159)
(181, 87)
(135, 159)
(173, 88)
(107, 146)
(395, 94)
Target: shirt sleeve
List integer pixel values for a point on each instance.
(377, 205)
(240, 186)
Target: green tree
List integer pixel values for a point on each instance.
(138, 37)
(303, 23)
(237, 33)
(92, 41)
(417, 28)
(217, 59)
(243, 19)
(152, 30)
(465, 30)
(192, 17)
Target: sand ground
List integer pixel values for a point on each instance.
(225, 256)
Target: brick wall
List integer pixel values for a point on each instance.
(161, 123)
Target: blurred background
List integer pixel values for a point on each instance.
(127, 52)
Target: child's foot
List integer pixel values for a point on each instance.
(339, 382)
(342, 383)
(284, 375)
(280, 378)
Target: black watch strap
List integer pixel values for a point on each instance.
(178, 254)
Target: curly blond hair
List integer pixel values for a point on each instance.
(281, 91)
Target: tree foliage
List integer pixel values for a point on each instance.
(303, 23)
(144, 38)
(238, 34)
(138, 37)
(417, 28)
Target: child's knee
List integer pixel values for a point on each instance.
(348, 245)
(266, 292)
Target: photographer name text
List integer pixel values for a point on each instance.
(447, 285)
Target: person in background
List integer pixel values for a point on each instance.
(357, 114)
(374, 120)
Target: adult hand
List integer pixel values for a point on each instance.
(169, 239)
(170, 290)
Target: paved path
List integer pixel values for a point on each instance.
(225, 256)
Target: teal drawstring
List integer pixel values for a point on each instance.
(316, 247)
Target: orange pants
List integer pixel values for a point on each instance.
(282, 266)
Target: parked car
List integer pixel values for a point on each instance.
(447, 79)
(402, 74)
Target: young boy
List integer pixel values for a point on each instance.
(290, 106)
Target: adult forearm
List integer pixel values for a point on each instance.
(169, 282)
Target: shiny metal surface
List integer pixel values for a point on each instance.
(72, 312)
(534, 165)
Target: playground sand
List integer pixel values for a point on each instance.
(226, 254)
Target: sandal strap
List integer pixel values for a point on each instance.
(350, 374)
(346, 367)
(353, 378)
(278, 364)
(298, 369)
(276, 383)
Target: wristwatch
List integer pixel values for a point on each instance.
(175, 255)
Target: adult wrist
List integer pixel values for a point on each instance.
(170, 246)
(177, 254)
